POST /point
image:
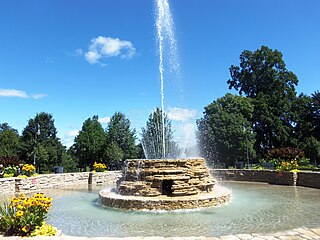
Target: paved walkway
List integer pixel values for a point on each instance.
(295, 234)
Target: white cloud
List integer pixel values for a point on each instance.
(78, 52)
(20, 94)
(105, 47)
(104, 120)
(92, 57)
(13, 93)
(38, 96)
(182, 114)
(72, 133)
(69, 136)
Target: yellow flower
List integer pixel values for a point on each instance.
(25, 229)
(19, 214)
(20, 206)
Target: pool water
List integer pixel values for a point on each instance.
(254, 207)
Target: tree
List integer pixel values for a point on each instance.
(302, 115)
(152, 137)
(88, 145)
(140, 152)
(119, 132)
(263, 77)
(225, 130)
(311, 148)
(113, 156)
(40, 134)
(316, 114)
(9, 144)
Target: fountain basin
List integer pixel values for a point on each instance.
(163, 202)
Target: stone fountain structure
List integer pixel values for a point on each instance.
(165, 184)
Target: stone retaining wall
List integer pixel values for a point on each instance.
(47, 181)
(12, 185)
(309, 179)
(306, 179)
(7, 185)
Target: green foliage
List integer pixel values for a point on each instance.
(287, 159)
(113, 156)
(311, 147)
(41, 134)
(119, 132)
(152, 137)
(44, 230)
(89, 143)
(302, 114)
(224, 130)
(9, 143)
(10, 171)
(69, 163)
(316, 114)
(263, 77)
(140, 152)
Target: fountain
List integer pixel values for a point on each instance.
(165, 184)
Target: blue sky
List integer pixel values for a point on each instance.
(51, 59)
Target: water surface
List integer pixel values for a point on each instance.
(254, 207)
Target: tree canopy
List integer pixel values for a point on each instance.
(224, 130)
(263, 77)
(40, 135)
(9, 144)
(119, 132)
(89, 143)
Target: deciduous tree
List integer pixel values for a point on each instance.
(263, 77)
(89, 143)
(225, 130)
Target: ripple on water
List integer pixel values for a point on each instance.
(253, 208)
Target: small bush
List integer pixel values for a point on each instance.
(99, 167)
(28, 170)
(22, 215)
(44, 230)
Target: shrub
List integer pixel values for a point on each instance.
(44, 230)
(22, 215)
(10, 171)
(288, 166)
(9, 161)
(99, 167)
(287, 154)
(28, 170)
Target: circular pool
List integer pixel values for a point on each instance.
(254, 207)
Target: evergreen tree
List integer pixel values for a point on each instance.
(119, 133)
(152, 137)
(40, 135)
